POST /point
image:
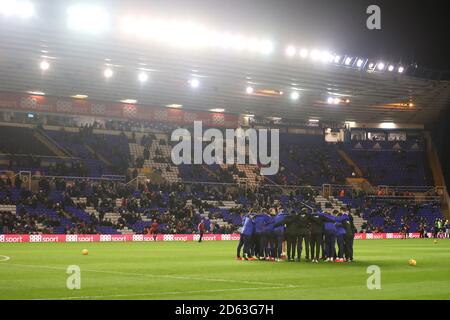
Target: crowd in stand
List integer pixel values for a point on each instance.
(176, 214)
(178, 217)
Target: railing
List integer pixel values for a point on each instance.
(15, 155)
(400, 192)
(117, 178)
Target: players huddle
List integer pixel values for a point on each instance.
(318, 233)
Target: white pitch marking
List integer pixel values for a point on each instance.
(165, 293)
(4, 258)
(150, 275)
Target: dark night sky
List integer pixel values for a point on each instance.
(412, 31)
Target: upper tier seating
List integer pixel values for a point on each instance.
(18, 140)
(309, 160)
(395, 163)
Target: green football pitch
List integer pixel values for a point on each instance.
(208, 270)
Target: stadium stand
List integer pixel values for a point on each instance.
(392, 162)
(219, 194)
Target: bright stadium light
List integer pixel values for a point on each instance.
(143, 76)
(252, 45)
(129, 101)
(326, 56)
(348, 60)
(315, 54)
(336, 100)
(174, 106)
(188, 34)
(108, 73)
(44, 65)
(371, 65)
(401, 69)
(290, 51)
(249, 90)
(303, 53)
(337, 59)
(380, 66)
(21, 9)
(79, 96)
(238, 42)
(295, 95)
(391, 68)
(36, 93)
(87, 18)
(217, 110)
(359, 63)
(195, 83)
(330, 100)
(387, 125)
(266, 47)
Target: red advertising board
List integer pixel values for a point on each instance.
(104, 109)
(43, 238)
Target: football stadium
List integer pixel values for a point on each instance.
(151, 151)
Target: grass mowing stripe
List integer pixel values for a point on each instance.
(145, 274)
(160, 293)
(188, 270)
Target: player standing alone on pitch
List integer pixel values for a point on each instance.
(154, 229)
(201, 230)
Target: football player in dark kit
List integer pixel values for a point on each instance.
(316, 236)
(291, 233)
(297, 230)
(350, 231)
(304, 229)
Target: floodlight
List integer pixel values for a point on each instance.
(194, 83)
(290, 51)
(44, 65)
(143, 77)
(87, 18)
(295, 95)
(303, 53)
(108, 73)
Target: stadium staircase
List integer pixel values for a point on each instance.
(438, 176)
(8, 208)
(98, 155)
(247, 175)
(223, 205)
(350, 162)
(361, 184)
(167, 170)
(337, 204)
(211, 172)
(51, 144)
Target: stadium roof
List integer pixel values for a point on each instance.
(327, 91)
